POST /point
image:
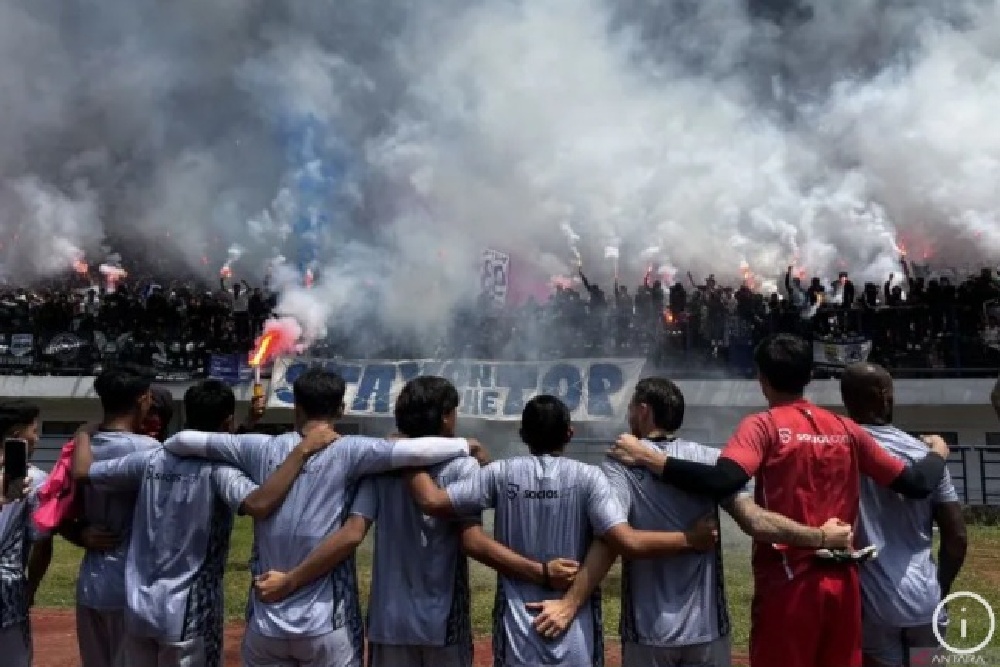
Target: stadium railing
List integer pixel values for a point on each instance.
(989, 471)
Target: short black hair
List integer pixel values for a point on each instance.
(786, 362)
(545, 424)
(208, 404)
(119, 390)
(319, 393)
(14, 414)
(423, 404)
(665, 400)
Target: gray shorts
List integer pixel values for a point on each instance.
(390, 655)
(889, 646)
(334, 649)
(713, 654)
(100, 635)
(15, 645)
(152, 653)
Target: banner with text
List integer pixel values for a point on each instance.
(17, 353)
(840, 354)
(494, 277)
(593, 389)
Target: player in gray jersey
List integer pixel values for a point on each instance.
(419, 612)
(549, 506)
(100, 589)
(902, 587)
(25, 553)
(320, 625)
(177, 556)
(682, 619)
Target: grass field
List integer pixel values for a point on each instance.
(980, 575)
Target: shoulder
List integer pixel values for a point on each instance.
(896, 442)
(693, 451)
(141, 442)
(460, 468)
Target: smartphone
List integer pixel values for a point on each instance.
(15, 462)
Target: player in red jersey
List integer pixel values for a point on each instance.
(807, 462)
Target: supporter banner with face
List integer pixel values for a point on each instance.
(494, 279)
(593, 389)
(17, 353)
(840, 354)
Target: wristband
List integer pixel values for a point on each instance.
(545, 575)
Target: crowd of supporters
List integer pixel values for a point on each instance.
(910, 322)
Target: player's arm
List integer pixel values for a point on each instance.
(916, 481)
(557, 573)
(40, 555)
(240, 451)
(377, 456)
(83, 456)
(951, 527)
(274, 586)
(265, 499)
(469, 496)
(609, 521)
(555, 616)
(772, 528)
(124, 473)
(739, 462)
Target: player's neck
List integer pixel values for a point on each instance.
(777, 400)
(313, 424)
(120, 423)
(657, 434)
(557, 452)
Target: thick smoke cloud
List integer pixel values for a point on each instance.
(705, 136)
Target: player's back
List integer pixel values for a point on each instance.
(101, 584)
(177, 559)
(546, 508)
(315, 507)
(815, 448)
(677, 600)
(420, 578)
(900, 588)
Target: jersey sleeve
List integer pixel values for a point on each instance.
(945, 491)
(618, 479)
(231, 486)
(458, 470)
(873, 460)
(372, 456)
(366, 500)
(603, 509)
(247, 451)
(749, 444)
(476, 492)
(123, 473)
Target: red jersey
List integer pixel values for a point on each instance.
(807, 462)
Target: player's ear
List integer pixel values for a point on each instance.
(229, 424)
(569, 434)
(340, 411)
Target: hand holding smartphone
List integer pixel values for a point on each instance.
(15, 468)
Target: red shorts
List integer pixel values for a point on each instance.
(814, 620)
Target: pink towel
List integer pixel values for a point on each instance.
(57, 496)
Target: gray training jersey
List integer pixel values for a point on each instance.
(180, 539)
(420, 577)
(546, 507)
(900, 588)
(316, 506)
(675, 600)
(101, 584)
(17, 531)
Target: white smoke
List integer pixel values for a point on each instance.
(542, 129)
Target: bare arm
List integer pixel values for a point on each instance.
(430, 498)
(331, 552)
(83, 455)
(555, 616)
(765, 526)
(637, 544)
(38, 564)
(557, 574)
(954, 543)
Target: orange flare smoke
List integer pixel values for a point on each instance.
(259, 354)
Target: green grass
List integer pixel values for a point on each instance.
(980, 575)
